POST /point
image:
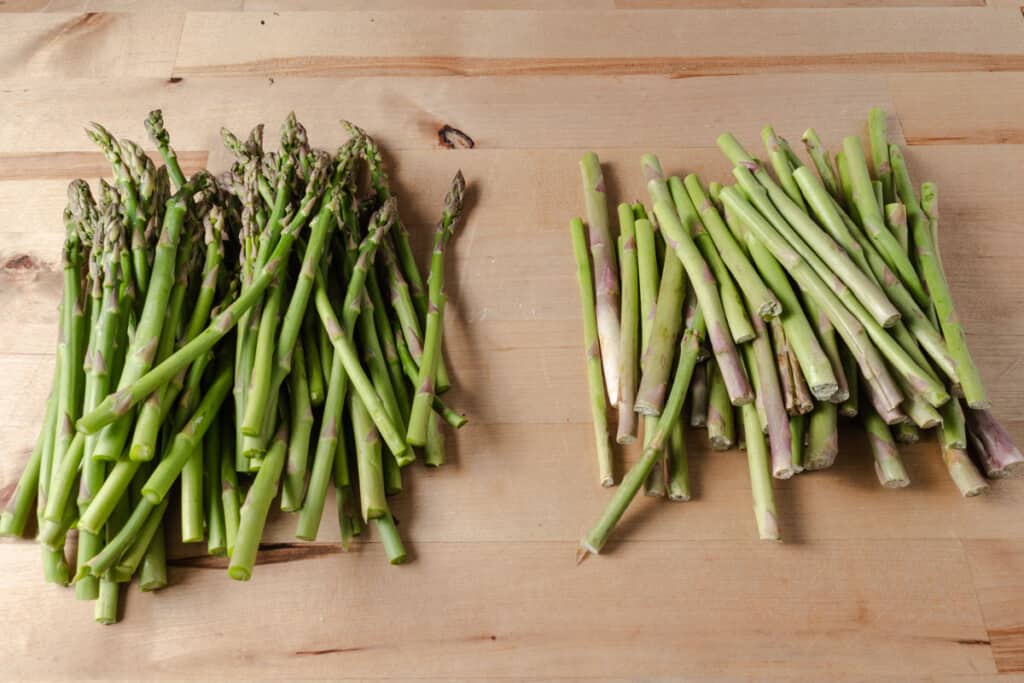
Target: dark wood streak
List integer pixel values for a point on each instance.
(672, 67)
(328, 651)
(270, 553)
(1008, 648)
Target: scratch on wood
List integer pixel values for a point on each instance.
(673, 67)
(328, 651)
(974, 137)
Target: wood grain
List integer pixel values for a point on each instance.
(613, 43)
(869, 584)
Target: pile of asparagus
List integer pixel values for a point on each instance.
(265, 331)
(769, 307)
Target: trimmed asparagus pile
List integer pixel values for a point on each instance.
(819, 290)
(224, 340)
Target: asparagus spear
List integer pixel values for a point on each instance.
(993, 447)
(942, 298)
(629, 326)
(707, 295)
(595, 539)
(659, 347)
(590, 341)
(416, 433)
(888, 465)
(606, 272)
(721, 432)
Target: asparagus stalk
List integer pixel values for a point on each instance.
(591, 344)
(606, 272)
(699, 397)
(993, 446)
(879, 143)
(416, 433)
(849, 235)
(595, 539)
(822, 437)
(760, 362)
(813, 243)
(763, 300)
(707, 295)
(931, 267)
(659, 347)
(629, 326)
(721, 431)
(888, 465)
(257, 504)
(863, 196)
(131, 392)
(732, 302)
(822, 163)
(760, 480)
(781, 165)
(678, 467)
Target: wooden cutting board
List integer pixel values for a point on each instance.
(868, 583)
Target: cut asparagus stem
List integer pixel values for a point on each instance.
(851, 237)
(863, 195)
(596, 538)
(655, 484)
(192, 522)
(760, 479)
(678, 467)
(803, 402)
(931, 266)
(879, 143)
(699, 397)
(888, 464)
(896, 221)
(229, 484)
(849, 407)
(851, 328)
(813, 360)
(257, 505)
(781, 165)
(732, 302)
(954, 426)
(805, 236)
(780, 345)
(995, 449)
(962, 471)
(679, 240)
(829, 344)
(822, 437)
(761, 363)
(595, 379)
(629, 328)
(659, 349)
(606, 272)
(301, 427)
(721, 431)
(797, 430)
(762, 299)
(822, 163)
(213, 506)
(906, 432)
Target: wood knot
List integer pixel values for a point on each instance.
(21, 262)
(453, 138)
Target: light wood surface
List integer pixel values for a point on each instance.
(869, 584)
